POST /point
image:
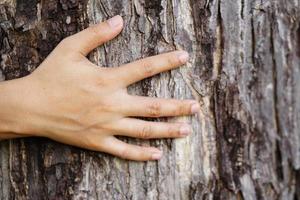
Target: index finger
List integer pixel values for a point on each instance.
(147, 67)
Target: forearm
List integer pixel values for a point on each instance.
(11, 101)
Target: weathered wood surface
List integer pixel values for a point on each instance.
(244, 69)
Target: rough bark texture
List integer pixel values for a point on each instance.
(244, 69)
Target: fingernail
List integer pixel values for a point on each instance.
(185, 130)
(195, 108)
(115, 21)
(183, 57)
(156, 155)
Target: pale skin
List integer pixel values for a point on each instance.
(71, 100)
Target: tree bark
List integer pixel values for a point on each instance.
(244, 70)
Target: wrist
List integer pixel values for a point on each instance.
(14, 113)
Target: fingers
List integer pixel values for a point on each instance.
(92, 37)
(132, 152)
(146, 129)
(138, 70)
(158, 107)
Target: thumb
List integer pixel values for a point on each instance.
(94, 36)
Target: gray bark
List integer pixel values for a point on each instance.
(244, 70)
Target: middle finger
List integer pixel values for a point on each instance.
(140, 106)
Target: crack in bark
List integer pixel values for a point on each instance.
(218, 57)
(298, 39)
(279, 161)
(253, 39)
(242, 8)
(104, 9)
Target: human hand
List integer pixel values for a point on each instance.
(73, 101)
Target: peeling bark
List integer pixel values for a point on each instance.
(244, 70)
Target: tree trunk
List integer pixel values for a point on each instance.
(244, 70)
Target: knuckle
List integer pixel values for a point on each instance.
(154, 109)
(104, 107)
(94, 30)
(171, 61)
(171, 131)
(143, 153)
(148, 69)
(101, 82)
(145, 133)
(100, 77)
(181, 109)
(91, 143)
(66, 42)
(124, 153)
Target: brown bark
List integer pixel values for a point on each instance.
(244, 69)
